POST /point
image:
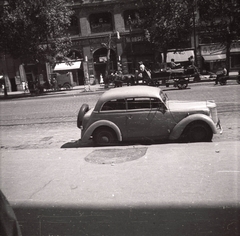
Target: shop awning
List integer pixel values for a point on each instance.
(179, 56)
(216, 57)
(70, 66)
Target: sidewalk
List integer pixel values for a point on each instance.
(191, 189)
(83, 90)
(75, 90)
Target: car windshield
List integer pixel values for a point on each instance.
(163, 96)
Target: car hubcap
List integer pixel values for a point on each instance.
(105, 139)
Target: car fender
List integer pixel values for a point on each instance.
(87, 134)
(179, 128)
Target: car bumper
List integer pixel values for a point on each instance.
(219, 127)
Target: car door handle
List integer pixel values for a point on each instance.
(129, 117)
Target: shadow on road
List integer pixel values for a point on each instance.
(80, 144)
(136, 220)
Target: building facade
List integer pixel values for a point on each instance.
(102, 29)
(97, 24)
(105, 31)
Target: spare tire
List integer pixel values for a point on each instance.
(83, 110)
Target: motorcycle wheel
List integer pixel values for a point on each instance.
(223, 82)
(182, 85)
(238, 79)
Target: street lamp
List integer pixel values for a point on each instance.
(107, 45)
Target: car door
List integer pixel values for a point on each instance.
(114, 111)
(161, 121)
(146, 118)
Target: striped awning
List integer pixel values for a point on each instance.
(214, 57)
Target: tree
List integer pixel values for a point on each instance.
(34, 30)
(169, 22)
(220, 19)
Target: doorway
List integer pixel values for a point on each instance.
(100, 62)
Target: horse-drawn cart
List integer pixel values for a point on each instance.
(176, 77)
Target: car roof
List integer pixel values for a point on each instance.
(128, 92)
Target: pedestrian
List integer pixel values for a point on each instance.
(144, 73)
(54, 83)
(191, 61)
(222, 74)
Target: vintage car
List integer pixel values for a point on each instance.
(145, 113)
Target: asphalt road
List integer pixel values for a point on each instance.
(161, 189)
(50, 122)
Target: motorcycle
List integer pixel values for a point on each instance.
(222, 77)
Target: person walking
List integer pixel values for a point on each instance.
(144, 73)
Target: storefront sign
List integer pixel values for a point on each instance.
(212, 49)
(216, 49)
(135, 39)
(235, 47)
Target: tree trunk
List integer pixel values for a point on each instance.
(228, 48)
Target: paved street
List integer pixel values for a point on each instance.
(161, 189)
(50, 121)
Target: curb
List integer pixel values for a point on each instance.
(79, 91)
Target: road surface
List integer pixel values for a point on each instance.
(163, 189)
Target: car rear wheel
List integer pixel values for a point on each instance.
(67, 86)
(199, 132)
(83, 110)
(104, 136)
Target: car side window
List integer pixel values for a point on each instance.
(156, 103)
(138, 103)
(115, 104)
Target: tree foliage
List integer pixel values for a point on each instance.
(34, 29)
(169, 22)
(220, 19)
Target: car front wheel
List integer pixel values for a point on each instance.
(104, 136)
(199, 132)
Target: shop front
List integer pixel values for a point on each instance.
(214, 57)
(74, 67)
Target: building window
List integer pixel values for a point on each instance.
(132, 17)
(74, 28)
(74, 21)
(101, 22)
(235, 61)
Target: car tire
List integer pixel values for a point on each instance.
(104, 136)
(83, 110)
(199, 132)
(67, 86)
